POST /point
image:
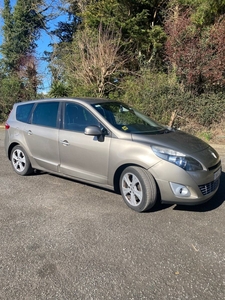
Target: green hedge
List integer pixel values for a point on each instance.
(159, 95)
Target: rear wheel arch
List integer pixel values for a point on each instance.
(20, 161)
(10, 149)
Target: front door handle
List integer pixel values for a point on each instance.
(29, 132)
(65, 143)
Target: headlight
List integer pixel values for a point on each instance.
(180, 159)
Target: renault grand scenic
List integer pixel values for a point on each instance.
(109, 143)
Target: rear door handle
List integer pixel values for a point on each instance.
(29, 132)
(65, 143)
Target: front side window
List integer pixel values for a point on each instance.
(127, 119)
(77, 117)
(23, 112)
(45, 114)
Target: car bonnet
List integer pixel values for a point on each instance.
(182, 142)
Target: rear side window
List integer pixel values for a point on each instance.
(23, 112)
(45, 114)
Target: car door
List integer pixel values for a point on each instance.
(42, 135)
(82, 156)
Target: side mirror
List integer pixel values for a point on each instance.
(93, 130)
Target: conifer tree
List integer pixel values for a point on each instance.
(22, 26)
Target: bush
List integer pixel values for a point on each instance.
(13, 90)
(10, 89)
(155, 94)
(210, 109)
(160, 96)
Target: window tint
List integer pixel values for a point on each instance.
(77, 117)
(23, 112)
(45, 114)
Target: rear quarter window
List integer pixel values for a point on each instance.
(23, 112)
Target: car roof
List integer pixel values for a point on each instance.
(87, 100)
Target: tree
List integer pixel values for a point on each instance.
(140, 23)
(196, 54)
(66, 30)
(204, 12)
(58, 89)
(11, 91)
(7, 48)
(214, 68)
(95, 60)
(21, 29)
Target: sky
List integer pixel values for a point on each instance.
(43, 45)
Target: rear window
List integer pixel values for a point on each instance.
(23, 112)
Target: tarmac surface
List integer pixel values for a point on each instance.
(64, 240)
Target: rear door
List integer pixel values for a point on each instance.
(82, 156)
(42, 135)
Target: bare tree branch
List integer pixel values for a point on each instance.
(97, 58)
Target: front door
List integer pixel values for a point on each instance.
(82, 156)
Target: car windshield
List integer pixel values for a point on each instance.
(128, 119)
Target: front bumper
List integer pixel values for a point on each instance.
(202, 185)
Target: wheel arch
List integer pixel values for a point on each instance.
(11, 147)
(116, 178)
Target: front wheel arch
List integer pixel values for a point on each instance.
(138, 188)
(119, 171)
(116, 179)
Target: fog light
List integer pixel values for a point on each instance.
(180, 190)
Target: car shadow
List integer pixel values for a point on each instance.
(158, 206)
(215, 202)
(98, 186)
(38, 172)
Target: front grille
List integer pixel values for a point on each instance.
(209, 187)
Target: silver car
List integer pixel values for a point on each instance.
(111, 144)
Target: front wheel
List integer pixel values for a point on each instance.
(20, 161)
(138, 188)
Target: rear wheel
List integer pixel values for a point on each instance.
(138, 188)
(20, 161)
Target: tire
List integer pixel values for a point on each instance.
(20, 161)
(138, 188)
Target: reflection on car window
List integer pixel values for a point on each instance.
(45, 114)
(77, 117)
(127, 119)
